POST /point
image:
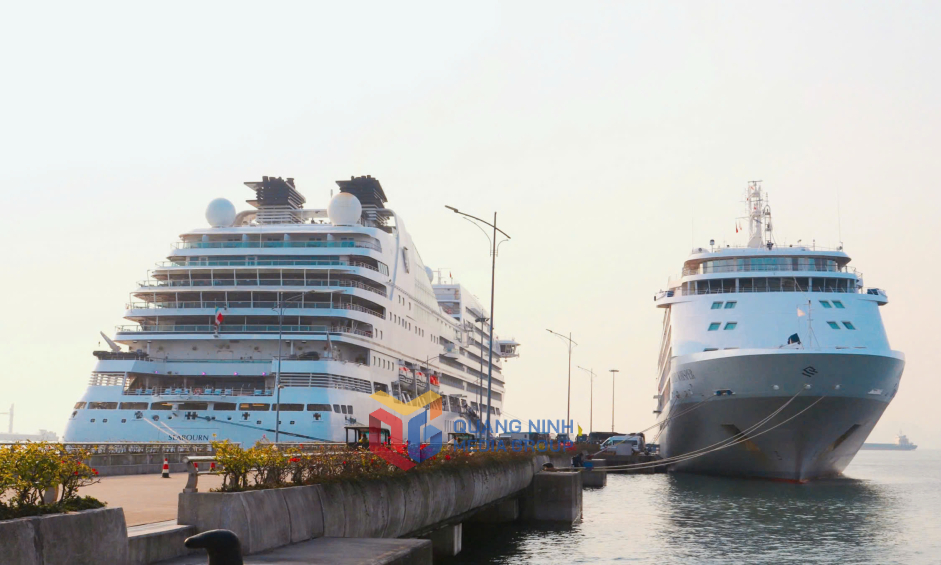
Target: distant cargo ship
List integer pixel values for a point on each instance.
(901, 444)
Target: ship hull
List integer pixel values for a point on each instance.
(817, 432)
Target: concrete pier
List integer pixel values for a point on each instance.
(336, 551)
(446, 542)
(557, 496)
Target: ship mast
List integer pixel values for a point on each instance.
(759, 216)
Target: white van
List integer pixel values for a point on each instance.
(624, 445)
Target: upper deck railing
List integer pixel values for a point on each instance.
(748, 268)
(296, 305)
(238, 329)
(265, 263)
(276, 244)
(695, 292)
(259, 282)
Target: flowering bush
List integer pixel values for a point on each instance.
(270, 466)
(29, 470)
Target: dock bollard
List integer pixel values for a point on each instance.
(223, 546)
(166, 468)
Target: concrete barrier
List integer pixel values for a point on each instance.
(89, 537)
(389, 507)
(557, 496)
(150, 543)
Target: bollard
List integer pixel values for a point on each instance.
(166, 468)
(223, 546)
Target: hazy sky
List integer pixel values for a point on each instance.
(609, 136)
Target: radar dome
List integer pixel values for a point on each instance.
(220, 213)
(344, 210)
(430, 273)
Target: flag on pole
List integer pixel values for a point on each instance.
(579, 429)
(217, 320)
(800, 312)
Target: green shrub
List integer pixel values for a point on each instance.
(28, 470)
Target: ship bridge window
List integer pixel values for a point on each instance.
(290, 407)
(102, 405)
(133, 406)
(833, 325)
(825, 304)
(194, 406)
(224, 406)
(838, 304)
(730, 305)
(79, 405)
(161, 406)
(714, 326)
(318, 408)
(716, 305)
(849, 325)
(731, 325)
(254, 406)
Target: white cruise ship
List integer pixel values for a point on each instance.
(774, 361)
(338, 298)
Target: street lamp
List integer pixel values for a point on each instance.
(493, 276)
(568, 406)
(591, 394)
(613, 373)
(480, 373)
(277, 375)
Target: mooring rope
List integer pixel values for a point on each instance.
(737, 439)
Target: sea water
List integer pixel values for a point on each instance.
(886, 509)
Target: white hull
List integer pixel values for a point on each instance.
(816, 435)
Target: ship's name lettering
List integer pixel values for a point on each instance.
(188, 437)
(684, 375)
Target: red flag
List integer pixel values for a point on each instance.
(736, 227)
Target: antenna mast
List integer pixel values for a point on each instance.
(759, 216)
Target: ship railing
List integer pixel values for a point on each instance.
(802, 267)
(265, 263)
(259, 282)
(208, 391)
(691, 292)
(796, 248)
(275, 244)
(252, 304)
(238, 329)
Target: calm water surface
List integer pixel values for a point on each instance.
(887, 509)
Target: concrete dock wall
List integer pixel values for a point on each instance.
(380, 508)
(90, 537)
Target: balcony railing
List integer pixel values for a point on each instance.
(255, 304)
(265, 263)
(692, 292)
(238, 329)
(804, 267)
(259, 282)
(276, 244)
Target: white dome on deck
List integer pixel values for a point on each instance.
(220, 213)
(344, 210)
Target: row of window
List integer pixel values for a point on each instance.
(728, 305)
(836, 303)
(728, 326)
(836, 326)
(216, 406)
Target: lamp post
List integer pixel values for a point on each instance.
(613, 373)
(591, 394)
(480, 373)
(568, 406)
(493, 276)
(277, 375)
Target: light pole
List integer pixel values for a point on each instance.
(568, 406)
(591, 394)
(277, 375)
(613, 373)
(493, 277)
(480, 373)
